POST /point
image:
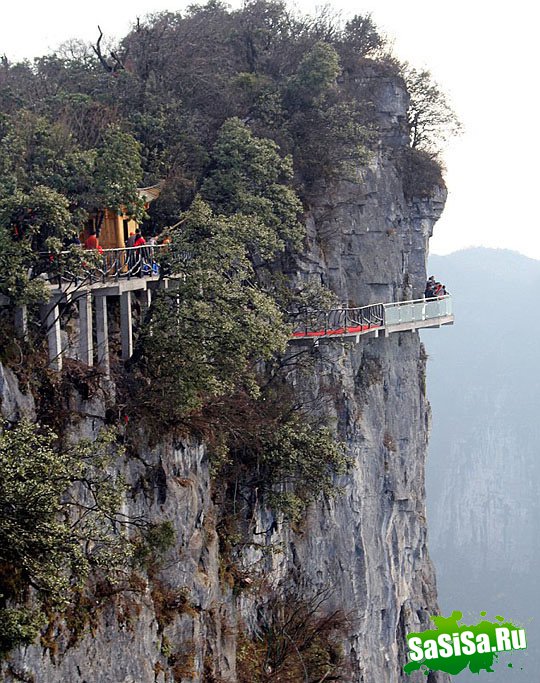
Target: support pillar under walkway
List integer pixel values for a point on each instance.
(50, 318)
(86, 341)
(126, 325)
(102, 334)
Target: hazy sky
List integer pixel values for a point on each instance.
(482, 53)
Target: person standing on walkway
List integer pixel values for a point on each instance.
(429, 292)
(142, 253)
(92, 242)
(139, 239)
(130, 254)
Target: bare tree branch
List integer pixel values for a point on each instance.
(97, 49)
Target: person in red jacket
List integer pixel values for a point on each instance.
(142, 253)
(139, 239)
(93, 243)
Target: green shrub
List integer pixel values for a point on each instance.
(421, 174)
(155, 541)
(60, 521)
(19, 626)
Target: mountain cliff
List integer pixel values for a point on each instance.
(359, 557)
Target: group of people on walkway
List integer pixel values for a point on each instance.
(136, 239)
(140, 253)
(138, 257)
(434, 289)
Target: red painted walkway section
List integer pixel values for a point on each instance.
(340, 331)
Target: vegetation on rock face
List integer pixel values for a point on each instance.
(421, 173)
(204, 337)
(92, 133)
(431, 122)
(79, 130)
(60, 520)
(48, 187)
(247, 177)
(205, 340)
(296, 639)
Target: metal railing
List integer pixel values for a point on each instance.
(343, 322)
(81, 265)
(339, 322)
(418, 310)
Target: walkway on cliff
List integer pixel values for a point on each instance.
(397, 316)
(135, 272)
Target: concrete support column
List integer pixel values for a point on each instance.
(126, 325)
(50, 317)
(102, 334)
(86, 343)
(21, 322)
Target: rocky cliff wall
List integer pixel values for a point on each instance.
(366, 547)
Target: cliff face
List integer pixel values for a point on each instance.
(366, 547)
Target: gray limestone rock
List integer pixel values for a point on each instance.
(14, 403)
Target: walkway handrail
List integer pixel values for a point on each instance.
(344, 322)
(339, 321)
(417, 310)
(423, 300)
(80, 264)
(88, 266)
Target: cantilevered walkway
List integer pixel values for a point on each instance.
(376, 319)
(123, 274)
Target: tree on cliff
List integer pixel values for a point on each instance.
(60, 520)
(48, 187)
(430, 117)
(206, 340)
(431, 122)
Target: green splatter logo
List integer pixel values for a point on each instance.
(452, 647)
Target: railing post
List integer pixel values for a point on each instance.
(59, 264)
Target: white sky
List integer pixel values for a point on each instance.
(482, 53)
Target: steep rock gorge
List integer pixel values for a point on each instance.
(364, 550)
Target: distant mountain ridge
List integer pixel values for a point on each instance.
(484, 466)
